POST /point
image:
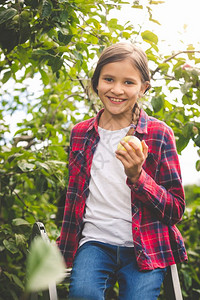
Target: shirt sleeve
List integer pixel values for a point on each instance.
(67, 240)
(163, 193)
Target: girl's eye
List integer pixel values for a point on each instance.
(128, 82)
(108, 79)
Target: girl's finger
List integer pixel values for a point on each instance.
(145, 149)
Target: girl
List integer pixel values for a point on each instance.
(122, 205)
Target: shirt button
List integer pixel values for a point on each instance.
(136, 228)
(139, 252)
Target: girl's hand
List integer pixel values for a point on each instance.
(132, 159)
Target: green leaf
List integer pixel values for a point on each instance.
(55, 63)
(64, 38)
(45, 77)
(197, 140)
(21, 130)
(187, 130)
(198, 165)
(38, 53)
(25, 166)
(78, 55)
(154, 21)
(6, 76)
(113, 24)
(137, 6)
(23, 55)
(186, 99)
(181, 143)
(163, 67)
(95, 22)
(20, 239)
(149, 37)
(8, 275)
(178, 73)
(178, 64)
(42, 165)
(157, 103)
(17, 281)
(1, 248)
(7, 14)
(46, 9)
(196, 290)
(185, 87)
(13, 277)
(157, 2)
(45, 265)
(10, 246)
(64, 16)
(168, 105)
(191, 54)
(151, 56)
(187, 280)
(57, 162)
(19, 222)
(62, 49)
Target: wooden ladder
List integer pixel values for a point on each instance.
(171, 284)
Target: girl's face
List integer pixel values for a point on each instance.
(119, 87)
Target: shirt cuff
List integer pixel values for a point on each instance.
(140, 182)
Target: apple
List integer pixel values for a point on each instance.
(130, 138)
(26, 15)
(54, 98)
(60, 116)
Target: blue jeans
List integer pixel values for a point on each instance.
(97, 266)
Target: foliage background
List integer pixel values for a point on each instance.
(57, 42)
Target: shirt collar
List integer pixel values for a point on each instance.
(141, 126)
(95, 121)
(142, 123)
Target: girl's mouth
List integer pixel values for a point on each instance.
(112, 99)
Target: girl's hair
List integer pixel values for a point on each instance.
(119, 52)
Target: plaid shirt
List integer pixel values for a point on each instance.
(157, 198)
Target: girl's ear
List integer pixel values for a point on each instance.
(146, 86)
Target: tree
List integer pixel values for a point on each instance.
(58, 42)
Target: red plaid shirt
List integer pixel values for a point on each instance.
(157, 198)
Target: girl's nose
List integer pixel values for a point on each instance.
(117, 89)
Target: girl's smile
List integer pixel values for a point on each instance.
(112, 99)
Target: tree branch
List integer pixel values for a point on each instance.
(171, 57)
(23, 138)
(181, 52)
(86, 91)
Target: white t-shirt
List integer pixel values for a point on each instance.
(108, 207)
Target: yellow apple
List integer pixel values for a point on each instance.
(130, 138)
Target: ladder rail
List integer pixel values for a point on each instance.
(172, 287)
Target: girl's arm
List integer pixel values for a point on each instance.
(162, 191)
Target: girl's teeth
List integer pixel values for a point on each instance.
(116, 100)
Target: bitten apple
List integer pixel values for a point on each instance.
(127, 139)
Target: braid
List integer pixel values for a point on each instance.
(135, 119)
